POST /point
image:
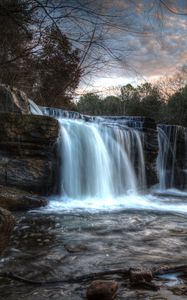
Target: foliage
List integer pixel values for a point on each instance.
(90, 104)
(56, 70)
(144, 100)
(177, 108)
(16, 35)
(112, 105)
(37, 59)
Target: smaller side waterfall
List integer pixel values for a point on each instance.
(171, 158)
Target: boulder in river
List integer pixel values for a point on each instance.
(102, 290)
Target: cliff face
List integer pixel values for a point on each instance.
(28, 152)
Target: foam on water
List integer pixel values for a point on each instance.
(127, 202)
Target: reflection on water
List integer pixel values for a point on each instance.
(71, 238)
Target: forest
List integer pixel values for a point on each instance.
(152, 101)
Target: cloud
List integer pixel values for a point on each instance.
(158, 53)
(149, 40)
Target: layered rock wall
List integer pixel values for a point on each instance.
(28, 151)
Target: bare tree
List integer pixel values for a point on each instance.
(90, 26)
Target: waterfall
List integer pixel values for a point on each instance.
(171, 158)
(102, 160)
(101, 157)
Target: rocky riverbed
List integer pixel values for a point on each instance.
(55, 245)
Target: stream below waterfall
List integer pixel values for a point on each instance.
(61, 241)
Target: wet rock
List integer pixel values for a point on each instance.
(76, 248)
(140, 275)
(179, 290)
(28, 151)
(13, 100)
(14, 199)
(150, 152)
(142, 279)
(7, 223)
(102, 290)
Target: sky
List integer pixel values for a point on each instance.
(148, 39)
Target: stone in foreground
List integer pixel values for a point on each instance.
(102, 290)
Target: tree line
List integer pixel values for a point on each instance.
(144, 100)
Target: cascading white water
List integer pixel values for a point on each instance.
(167, 162)
(102, 162)
(164, 150)
(98, 159)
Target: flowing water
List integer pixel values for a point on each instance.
(103, 165)
(101, 158)
(58, 244)
(98, 160)
(168, 164)
(103, 219)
